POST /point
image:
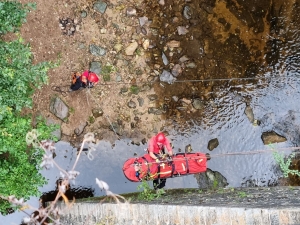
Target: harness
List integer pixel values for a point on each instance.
(137, 173)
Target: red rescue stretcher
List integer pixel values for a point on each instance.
(145, 168)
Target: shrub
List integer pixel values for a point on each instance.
(12, 15)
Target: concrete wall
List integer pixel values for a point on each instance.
(133, 214)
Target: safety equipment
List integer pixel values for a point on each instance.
(179, 165)
(90, 76)
(93, 77)
(161, 138)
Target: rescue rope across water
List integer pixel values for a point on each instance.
(231, 154)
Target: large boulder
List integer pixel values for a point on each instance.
(59, 109)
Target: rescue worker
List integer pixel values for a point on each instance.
(156, 147)
(86, 79)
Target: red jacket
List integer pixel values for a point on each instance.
(153, 147)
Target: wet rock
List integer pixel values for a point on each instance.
(118, 78)
(175, 98)
(164, 59)
(118, 129)
(212, 144)
(167, 77)
(155, 111)
(140, 101)
(272, 137)
(152, 97)
(56, 133)
(97, 50)
(143, 20)
(185, 101)
(188, 148)
(211, 180)
(288, 125)
(81, 46)
(145, 87)
(206, 7)
(176, 70)
(83, 14)
(79, 130)
(97, 112)
(182, 30)
(191, 65)
(131, 104)
(183, 59)
(173, 44)
(100, 6)
(131, 11)
(95, 67)
(118, 47)
(158, 112)
(146, 44)
(123, 90)
(59, 109)
(144, 141)
(161, 2)
(130, 49)
(197, 104)
(143, 30)
(249, 113)
(187, 13)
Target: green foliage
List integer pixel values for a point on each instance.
(134, 89)
(106, 71)
(18, 76)
(147, 193)
(91, 119)
(242, 194)
(19, 173)
(12, 15)
(215, 184)
(284, 164)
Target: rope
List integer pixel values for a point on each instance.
(106, 116)
(199, 80)
(59, 89)
(64, 93)
(233, 153)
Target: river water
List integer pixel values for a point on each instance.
(271, 88)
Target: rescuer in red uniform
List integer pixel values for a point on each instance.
(156, 147)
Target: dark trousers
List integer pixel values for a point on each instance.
(159, 183)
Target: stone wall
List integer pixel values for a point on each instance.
(130, 214)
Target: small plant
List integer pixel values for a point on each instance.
(91, 119)
(200, 191)
(221, 191)
(215, 184)
(106, 71)
(242, 194)
(284, 164)
(134, 89)
(147, 193)
(13, 15)
(71, 110)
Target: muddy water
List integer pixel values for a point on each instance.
(225, 39)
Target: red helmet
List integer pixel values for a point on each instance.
(160, 137)
(93, 77)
